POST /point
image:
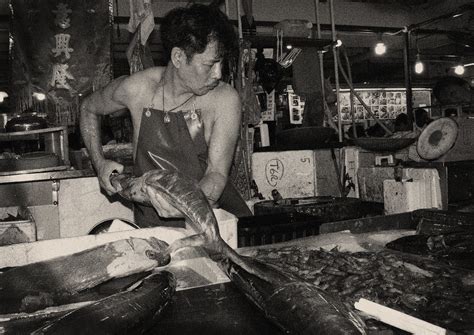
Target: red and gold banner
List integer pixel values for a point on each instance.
(62, 49)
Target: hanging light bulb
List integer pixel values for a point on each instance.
(419, 66)
(380, 48)
(459, 70)
(39, 96)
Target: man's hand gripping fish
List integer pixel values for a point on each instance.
(187, 197)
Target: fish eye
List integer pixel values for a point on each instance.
(151, 254)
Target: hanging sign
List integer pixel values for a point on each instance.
(61, 48)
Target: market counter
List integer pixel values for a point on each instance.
(62, 203)
(50, 175)
(206, 301)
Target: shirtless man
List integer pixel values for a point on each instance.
(184, 117)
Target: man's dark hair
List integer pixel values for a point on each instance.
(445, 82)
(192, 28)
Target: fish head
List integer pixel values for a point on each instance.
(130, 188)
(159, 251)
(151, 248)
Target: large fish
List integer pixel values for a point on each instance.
(295, 306)
(25, 323)
(186, 196)
(130, 312)
(49, 283)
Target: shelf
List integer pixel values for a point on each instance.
(19, 135)
(269, 41)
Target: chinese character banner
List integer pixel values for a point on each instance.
(61, 48)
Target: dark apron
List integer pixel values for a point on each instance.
(170, 146)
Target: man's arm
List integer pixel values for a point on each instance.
(102, 102)
(224, 136)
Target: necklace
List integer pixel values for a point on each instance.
(166, 118)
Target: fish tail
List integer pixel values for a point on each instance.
(239, 260)
(196, 240)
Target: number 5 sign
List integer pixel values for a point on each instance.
(292, 173)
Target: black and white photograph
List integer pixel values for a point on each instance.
(237, 167)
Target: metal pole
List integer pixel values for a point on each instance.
(227, 8)
(407, 68)
(461, 10)
(239, 19)
(336, 70)
(320, 53)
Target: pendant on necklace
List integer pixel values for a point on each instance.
(166, 118)
(147, 111)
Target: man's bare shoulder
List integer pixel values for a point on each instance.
(223, 105)
(225, 89)
(223, 94)
(141, 80)
(134, 88)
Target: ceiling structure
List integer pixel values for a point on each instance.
(440, 44)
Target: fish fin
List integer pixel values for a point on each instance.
(357, 322)
(162, 163)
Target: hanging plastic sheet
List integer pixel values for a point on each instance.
(141, 23)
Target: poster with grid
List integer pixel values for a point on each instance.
(384, 104)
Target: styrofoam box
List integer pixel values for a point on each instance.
(404, 196)
(371, 183)
(295, 173)
(227, 223)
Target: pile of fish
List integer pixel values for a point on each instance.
(416, 286)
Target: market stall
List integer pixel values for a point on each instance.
(354, 174)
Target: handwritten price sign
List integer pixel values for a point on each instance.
(274, 171)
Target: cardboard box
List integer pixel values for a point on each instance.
(295, 173)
